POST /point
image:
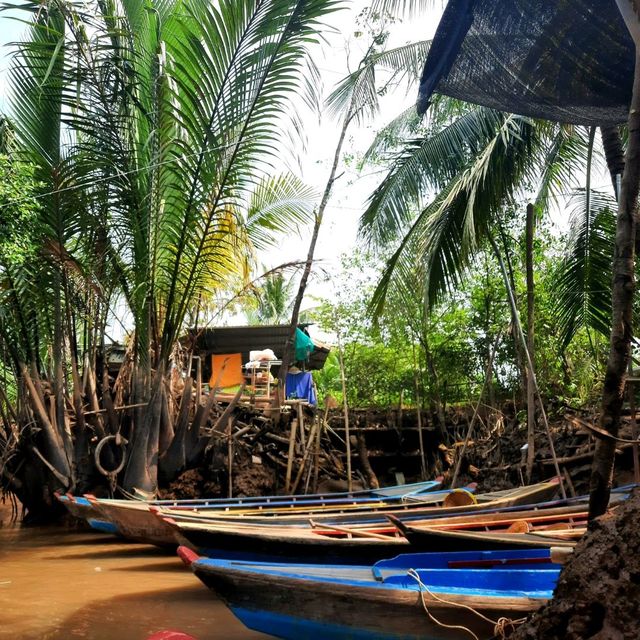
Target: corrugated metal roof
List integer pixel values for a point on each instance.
(251, 338)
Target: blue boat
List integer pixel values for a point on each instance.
(409, 597)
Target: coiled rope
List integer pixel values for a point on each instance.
(501, 627)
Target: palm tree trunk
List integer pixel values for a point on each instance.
(518, 345)
(531, 399)
(622, 305)
(614, 153)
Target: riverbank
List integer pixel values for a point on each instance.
(57, 584)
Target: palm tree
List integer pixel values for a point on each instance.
(152, 128)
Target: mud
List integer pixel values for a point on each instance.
(598, 593)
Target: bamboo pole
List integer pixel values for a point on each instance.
(292, 443)
(423, 462)
(321, 428)
(230, 457)
(310, 443)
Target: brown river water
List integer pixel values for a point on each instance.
(57, 584)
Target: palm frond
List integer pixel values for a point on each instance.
(583, 281)
(445, 235)
(359, 92)
(279, 204)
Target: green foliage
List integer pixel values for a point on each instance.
(446, 347)
(19, 211)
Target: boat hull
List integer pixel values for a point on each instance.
(300, 609)
(266, 547)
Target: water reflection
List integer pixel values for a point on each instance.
(57, 584)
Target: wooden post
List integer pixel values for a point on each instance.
(292, 444)
(307, 451)
(301, 422)
(321, 428)
(345, 405)
(230, 457)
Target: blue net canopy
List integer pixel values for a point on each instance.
(562, 60)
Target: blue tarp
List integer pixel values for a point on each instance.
(562, 60)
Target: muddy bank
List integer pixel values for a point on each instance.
(385, 446)
(598, 593)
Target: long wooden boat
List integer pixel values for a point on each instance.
(81, 507)
(426, 537)
(357, 544)
(385, 601)
(136, 521)
(435, 504)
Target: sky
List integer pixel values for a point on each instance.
(338, 234)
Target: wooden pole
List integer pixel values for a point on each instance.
(292, 444)
(423, 462)
(301, 423)
(310, 443)
(321, 428)
(345, 405)
(230, 457)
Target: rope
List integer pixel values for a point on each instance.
(113, 474)
(502, 627)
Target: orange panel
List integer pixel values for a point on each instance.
(232, 374)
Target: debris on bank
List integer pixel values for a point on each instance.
(385, 448)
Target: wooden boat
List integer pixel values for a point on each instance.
(427, 537)
(321, 542)
(385, 601)
(77, 504)
(81, 507)
(435, 504)
(135, 520)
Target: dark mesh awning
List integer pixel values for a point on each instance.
(562, 60)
